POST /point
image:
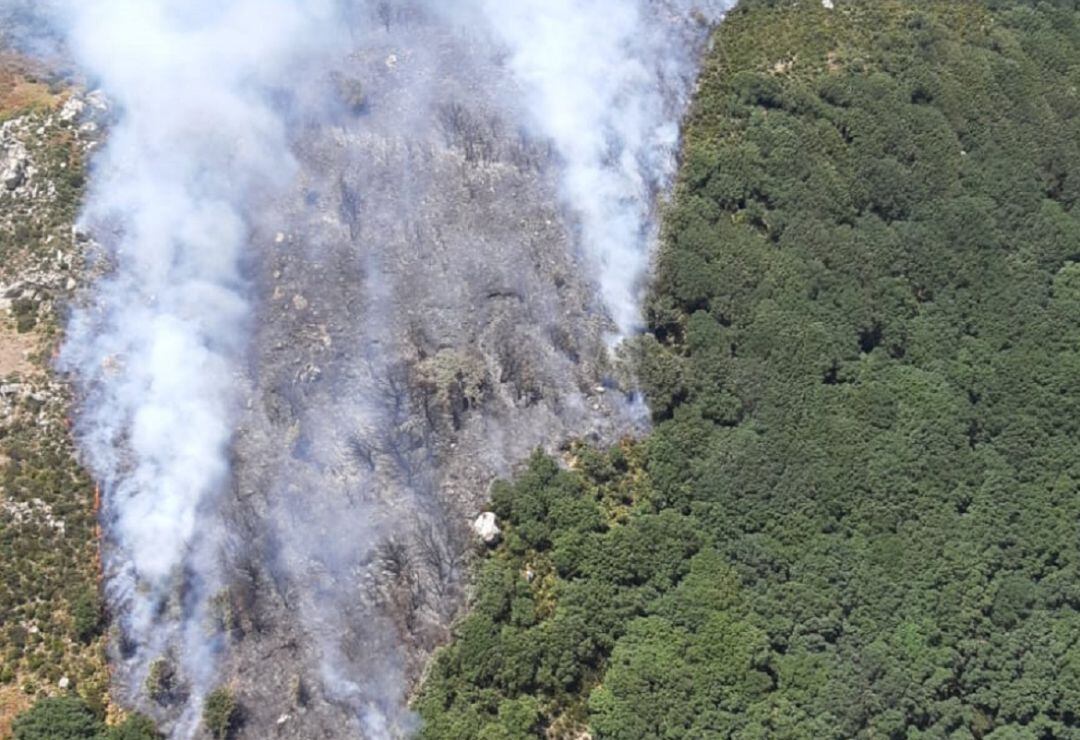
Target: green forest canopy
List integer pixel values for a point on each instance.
(858, 513)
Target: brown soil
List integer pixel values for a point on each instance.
(22, 86)
(13, 350)
(13, 701)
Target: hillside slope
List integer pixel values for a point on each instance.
(857, 516)
(50, 615)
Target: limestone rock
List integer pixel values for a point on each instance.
(13, 167)
(487, 528)
(72, 110)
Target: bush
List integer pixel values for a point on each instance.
(160, 680)
(135, 727)
(220, 713)
(86, 615)
(59, 718)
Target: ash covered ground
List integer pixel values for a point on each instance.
(422, 325)
(424, 291)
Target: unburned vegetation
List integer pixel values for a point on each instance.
(857, 515)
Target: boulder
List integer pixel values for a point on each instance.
(13, 167)
(487, 529)
(72, 110)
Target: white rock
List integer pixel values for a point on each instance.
(487, 528)
(63, 683)
(72, 109)
(13, 167)
(98, 101)
(828, 4)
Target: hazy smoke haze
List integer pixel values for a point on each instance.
(607, 82)
(359, 257)
(157, 351)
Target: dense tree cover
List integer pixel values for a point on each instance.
(70, 718)
(858, 513)
(58, 718)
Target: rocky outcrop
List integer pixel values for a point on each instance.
(13, 165)
(487, 529)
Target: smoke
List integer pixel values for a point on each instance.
(607, 82)
(197, 144)
(359, 258)
(440, 323)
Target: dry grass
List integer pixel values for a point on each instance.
(22, 87)
(13, 701)
(16, 350)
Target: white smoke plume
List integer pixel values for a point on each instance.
(603, 85)
(607, 81)
(158, 349)
(355, 459)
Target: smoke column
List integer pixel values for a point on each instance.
(158, 349)
(439, 323)
(607, 83)
(359, 258)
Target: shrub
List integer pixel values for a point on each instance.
(59, 718)
(220, 713)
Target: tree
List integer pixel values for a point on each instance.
(86, 615)
(220, 713)
(134, 727)
(58, 718)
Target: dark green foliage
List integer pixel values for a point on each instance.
(135, 727)
(86, 615)
(220, 713)
(857, 515)
(70, 718)
(59, 718)
(25, 312)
